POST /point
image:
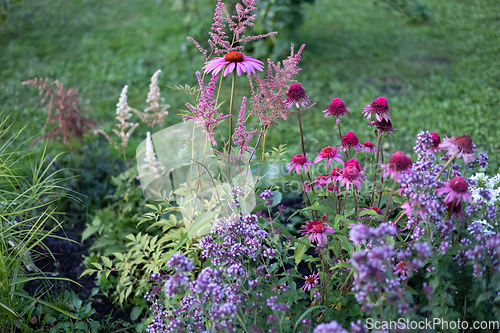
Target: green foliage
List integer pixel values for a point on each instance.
(413, 9)
(26, 206)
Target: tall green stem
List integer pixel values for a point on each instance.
(389, 199)
(301, 134)
(376, 165)
(231, 102)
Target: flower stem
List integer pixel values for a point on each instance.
(355, 204)
(340, 133)
(389, 199)
(447, 164)
(301, 134)
(343, 210)
(231, 102)
(375, 170)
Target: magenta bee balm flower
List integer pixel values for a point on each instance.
(331, 154)
(296, 94)
(380, 107)
(298, 162)
(233, 60)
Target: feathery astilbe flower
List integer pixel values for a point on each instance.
(237, 24)
(380, 107)
(241, 136)
(461, 144)
(233, 60)
(154, 97)
(205, 112)
(336, 109)
(152, 163)
(269, 93)
(123, 113)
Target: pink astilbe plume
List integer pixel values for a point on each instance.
(269, 93)
(205, 112)
(241, 136)
(237, 24)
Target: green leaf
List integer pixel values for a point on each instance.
(97, 265)
(297, 323)
(136, 312)
(299, 252)
(107, 261)
(200, 221)
(321, 208)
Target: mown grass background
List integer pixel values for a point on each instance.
(442, 75)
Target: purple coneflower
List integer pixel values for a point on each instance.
(311, 281)
(298, 162)
(384, 126)
(352, 174)
(398, 163)
(350, 140)
(457, 188)
(296, 94)
(233, 60)
(331, 154)
(369, 147)
(380, 107)
(336, 109)
(462, 145)
(317, 232)
(436, 140)
(402, 268)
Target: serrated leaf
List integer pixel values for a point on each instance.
(97, 265)
(107, 262)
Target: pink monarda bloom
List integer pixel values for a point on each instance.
(369, 147)
(457, 188)
(462, 144)
(350, 140)
(331, 154)
(296, 94)
(233, 60)
(398, 163)
(380, 107)
(317, 232)
(352, 174)
(298, 162)
(336, 109)
(311, 281)
(436, 140)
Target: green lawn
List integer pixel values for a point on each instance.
(442, 75)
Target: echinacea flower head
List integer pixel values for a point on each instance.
(336, 109)
(457, 188)
(384, 126)
(402, 268)
(336, 173)
(329, 153)
(455, 209)
(375, 209)
(233, 60)
(352, 174)
(436, 140)
(398, 163)
(317, 232)
(296, 94)
(311, 281)
(462, 145)
(369, 147)
(299, 162)
(350, 140)
(379, 107)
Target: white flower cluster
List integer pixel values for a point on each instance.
(154, 97)
(152, 164)
(492, 184)
(122, 108)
